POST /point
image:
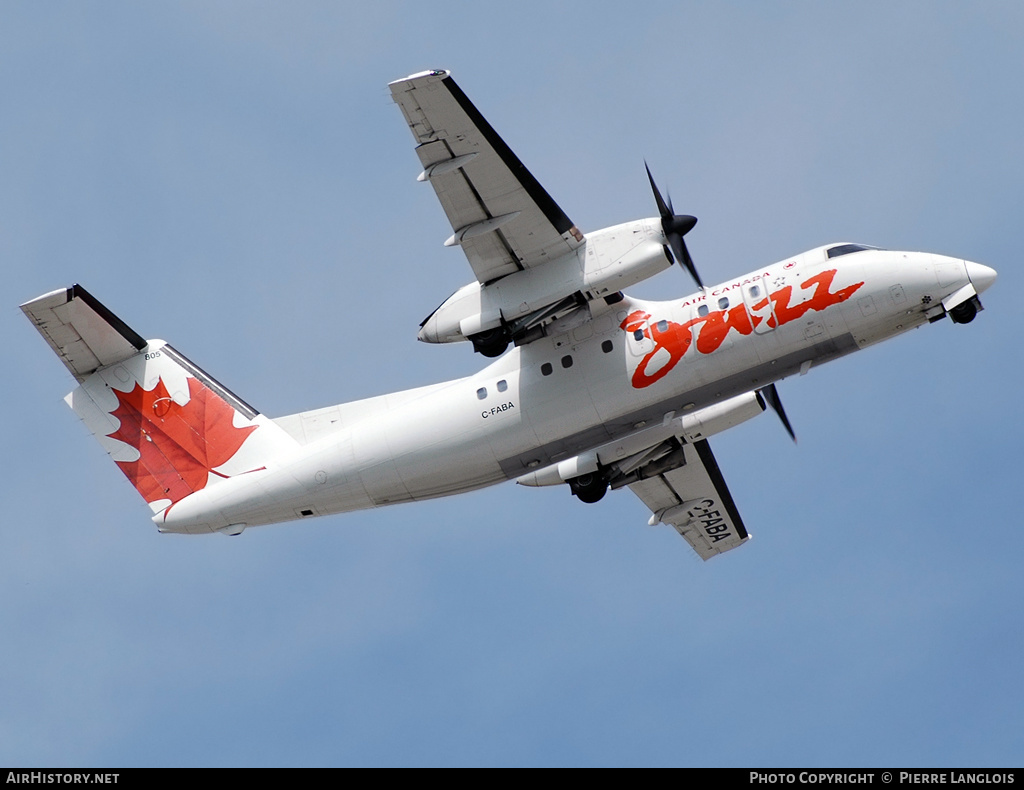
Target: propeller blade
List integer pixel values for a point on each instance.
(675, 226)
(663, 210)
(771, 394)
(687, 261)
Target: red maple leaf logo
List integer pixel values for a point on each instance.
(178, 445)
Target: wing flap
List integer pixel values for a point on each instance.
(695, 500)
(489, 182)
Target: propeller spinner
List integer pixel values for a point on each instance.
(675, 226)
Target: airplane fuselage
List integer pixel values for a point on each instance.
(632, 366)
(590, 388)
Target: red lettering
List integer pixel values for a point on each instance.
(714, 328)
(820, 299)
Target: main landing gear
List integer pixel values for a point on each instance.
(491, 343)
(589, 488)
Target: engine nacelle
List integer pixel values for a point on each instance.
(607, 261)
(649, 446)
(720, 417)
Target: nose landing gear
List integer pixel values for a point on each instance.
(965, 312)
(491, 343)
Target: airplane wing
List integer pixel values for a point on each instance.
(502, 217)
(695, 500)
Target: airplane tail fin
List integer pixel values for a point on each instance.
(170, 427)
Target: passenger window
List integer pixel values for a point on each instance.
(606, 346)
(755, 291)
(723, 303)
(545, 369)
(481, 393)
(702, 310)
(663, 326)
(638, 334)
(502, 385)
(567, 361)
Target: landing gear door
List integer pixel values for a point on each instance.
(760, 307)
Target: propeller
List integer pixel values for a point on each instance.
(772, 396)
(675, 226)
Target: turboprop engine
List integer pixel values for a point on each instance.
(519, 307)
(647, 452)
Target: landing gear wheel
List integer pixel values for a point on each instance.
(588, 488)
(491, 343)
(964, 312)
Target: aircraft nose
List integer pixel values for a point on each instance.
(981, 276)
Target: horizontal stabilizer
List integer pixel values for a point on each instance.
(83, 333)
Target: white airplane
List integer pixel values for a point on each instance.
(600, 390)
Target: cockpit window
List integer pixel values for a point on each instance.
(846, 249)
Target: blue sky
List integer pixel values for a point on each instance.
(232, 177)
